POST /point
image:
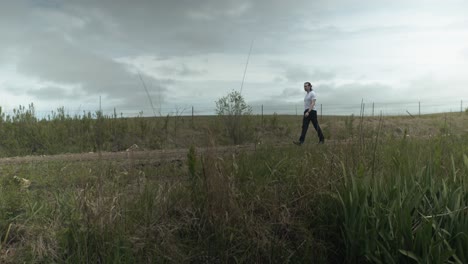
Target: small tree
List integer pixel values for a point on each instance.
(235, 114)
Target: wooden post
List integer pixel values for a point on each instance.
(262, 115)
(419, 103)
(296, 109)
(321, 112)
(372, 109)
(192, 116)
(361, 113)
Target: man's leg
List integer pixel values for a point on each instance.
(317, 126)
(305, 126)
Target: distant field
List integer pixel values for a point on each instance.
(24, 134)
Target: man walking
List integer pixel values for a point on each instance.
(310, 115)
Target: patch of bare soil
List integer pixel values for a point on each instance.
(149, 156)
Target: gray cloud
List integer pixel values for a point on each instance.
(429, 88)
(188, 27)
(177, 27)
(180, 70)
(288, 94)
(61, 62)
(296, 74)
(354, 92)
(72, 43)
(79, 43)
(464, 54)
(49, 93)
(300, 74)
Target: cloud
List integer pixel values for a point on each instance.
(181, 70)
(288, 95)
(49, 93)
(54, 93)
(296, 74)
(464, 53)
(64, 63)
(354, 92)
(74, 49)
(430, 88)
(178, 27)
(300, 74)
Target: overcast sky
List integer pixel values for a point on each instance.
(69, 53)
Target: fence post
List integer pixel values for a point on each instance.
(296, 109)
(372, 109)
(192, 116)
(262, 115)
(321, 112)
(461, 106)
(419, 103)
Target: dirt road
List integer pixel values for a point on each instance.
(153, 155)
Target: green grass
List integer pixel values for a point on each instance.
(377, 196)
(25, 134)
(275, 205)
(413, 210)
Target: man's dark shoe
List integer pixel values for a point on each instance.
(298, 143)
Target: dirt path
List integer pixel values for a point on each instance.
(153, 155)
(163, 155)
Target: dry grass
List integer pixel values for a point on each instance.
(276, 205)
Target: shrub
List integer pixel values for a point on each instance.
(235, 114)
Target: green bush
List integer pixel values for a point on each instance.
(235, 115)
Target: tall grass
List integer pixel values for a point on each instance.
(23, 133)
(231, 209)
(381, 199)
(414, 209)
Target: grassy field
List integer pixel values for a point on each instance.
(25, 134)
(387, 190)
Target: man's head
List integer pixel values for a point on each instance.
(307, 87)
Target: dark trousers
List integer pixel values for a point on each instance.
(305, 125)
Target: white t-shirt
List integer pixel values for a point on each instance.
(308, 100)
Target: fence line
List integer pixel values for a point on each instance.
(366, 108)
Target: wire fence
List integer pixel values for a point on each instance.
(364, 108)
